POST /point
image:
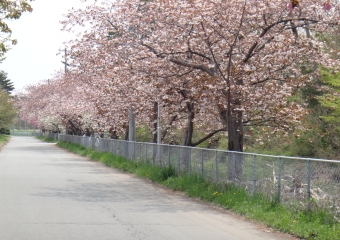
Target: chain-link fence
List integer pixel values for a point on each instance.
(300, 182)
(34, 133)
(27, 133)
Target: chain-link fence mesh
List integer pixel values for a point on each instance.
(302, 182)
(26, 133)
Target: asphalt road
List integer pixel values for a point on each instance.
(49, 193)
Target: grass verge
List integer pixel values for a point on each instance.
(3, 139)
(317, 224)
(51, 140)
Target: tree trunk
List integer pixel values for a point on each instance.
(186, 152)
(190, 125)
(126, 137)
(166, 129)
(154, 122)
(235, 142)
(235, 132)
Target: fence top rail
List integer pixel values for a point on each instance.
(226, 151)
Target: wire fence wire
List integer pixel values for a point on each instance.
(26, 133)
(300, 182)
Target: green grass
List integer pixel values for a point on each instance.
(46, 139)
(3, 138)
(317, 224)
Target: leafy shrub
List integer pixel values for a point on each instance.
(5, 131)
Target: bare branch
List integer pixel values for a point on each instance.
(208, 136)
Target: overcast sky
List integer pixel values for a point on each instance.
(39, 40)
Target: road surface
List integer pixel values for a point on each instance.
(48, 193)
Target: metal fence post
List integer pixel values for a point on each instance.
(160, 155)
(189, 165)
(169, 156)
(126, 150)
(254, 174)
(134, 151)
(233, 167)
(146, 153)
(308, 184)
(202, 163)
(279, 179)
(153, 154)
(140, 152)
(216, 167)
(123, 148)
(179, 159)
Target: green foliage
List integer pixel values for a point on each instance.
(306, 145)
(331, 78)
(318, 135)
(10, 10)
(5, 131)
(331, 99)
(5, 83)
(143, 133)
(46, 139)
(310, 95)
(267, 141)
(7, 110)
(331, 42)
(3, 138)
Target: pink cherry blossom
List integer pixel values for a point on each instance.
(327, 6)
(290, 6)
(214, 65)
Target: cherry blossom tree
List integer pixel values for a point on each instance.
(250, 50)
(56, 104)
(130, 66)
(214, 65)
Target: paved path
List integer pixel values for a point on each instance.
(49, 193)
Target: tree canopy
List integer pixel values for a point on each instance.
(213, 65)
(7, 110)
(5, 83)
(9, 10)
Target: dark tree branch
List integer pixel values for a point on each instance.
(165, 131)
(112, 25)
(208, 136)
(265, 30)
(176, 75)
(250, 52)
(180, 62)
(198, 67)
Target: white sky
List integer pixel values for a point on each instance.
(39, 40)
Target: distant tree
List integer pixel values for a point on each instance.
(5, 83)
(7, 110)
